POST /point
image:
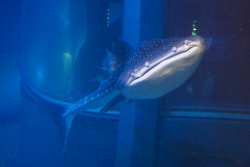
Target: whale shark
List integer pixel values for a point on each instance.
(153, 70)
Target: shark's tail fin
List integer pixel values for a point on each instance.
(64, 124)
(60, 115)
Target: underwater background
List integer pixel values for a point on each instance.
(58, 47)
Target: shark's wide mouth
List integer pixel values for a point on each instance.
(148, 67)
(172, 55)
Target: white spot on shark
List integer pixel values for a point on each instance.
(186, 42)
(174, 49)
(147, 64)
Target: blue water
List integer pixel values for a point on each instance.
(58, 47)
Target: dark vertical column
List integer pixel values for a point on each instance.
(92, 51)
(152, 19)
(137, 132)
(143, 20)
(132, 22)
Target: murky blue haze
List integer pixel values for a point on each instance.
(63, 49)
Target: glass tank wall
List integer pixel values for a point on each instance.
(53, 33)
(223, 76)
(55, 52)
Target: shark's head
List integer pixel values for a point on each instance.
(161, 66)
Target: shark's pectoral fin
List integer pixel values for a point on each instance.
(111, 104)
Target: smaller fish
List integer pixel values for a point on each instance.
(109, 66)
(110, 63)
